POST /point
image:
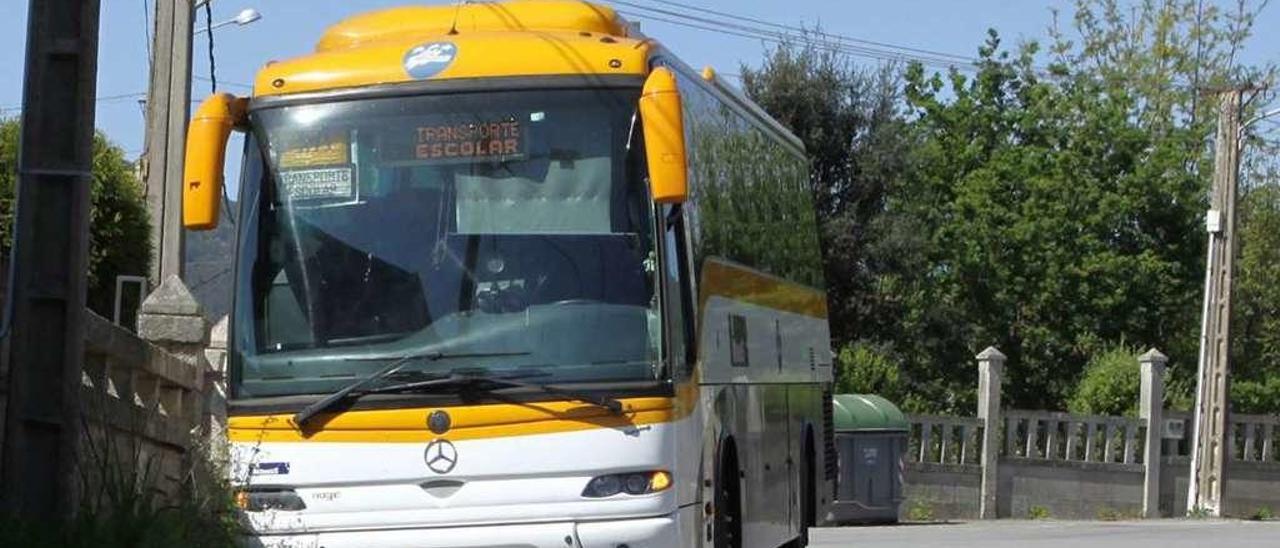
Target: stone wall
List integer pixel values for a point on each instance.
(941, 491)
(1020, 464)
(1069, 490)
(145, 395)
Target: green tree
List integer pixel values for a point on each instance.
(1054, 221)
(850, 120)
(1256, 325)
(1054, 211)
(119, 230)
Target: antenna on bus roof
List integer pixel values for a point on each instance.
(457, 7)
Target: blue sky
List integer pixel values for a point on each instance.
(290, 28)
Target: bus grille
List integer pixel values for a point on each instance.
(829, 436)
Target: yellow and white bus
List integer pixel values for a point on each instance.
(511, 274)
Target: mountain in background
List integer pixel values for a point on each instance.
(210, 259)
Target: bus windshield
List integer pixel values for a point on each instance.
(496, 230)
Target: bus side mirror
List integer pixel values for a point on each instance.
(663, 117)
(206, 157)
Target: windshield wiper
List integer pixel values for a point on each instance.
(477, 380)
(613, 405)
(356, 389)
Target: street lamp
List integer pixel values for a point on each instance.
(246, 16)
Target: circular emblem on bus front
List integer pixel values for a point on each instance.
(441, 456)
(439, 422)
(429, 59)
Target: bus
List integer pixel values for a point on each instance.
(512, 274)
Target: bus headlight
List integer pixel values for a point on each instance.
(633, 483)
(263, 499)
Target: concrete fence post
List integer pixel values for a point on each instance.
(1151, 408)
(172, 319)
(990, 375)
(215, 381)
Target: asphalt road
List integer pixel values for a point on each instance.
(1057, 534)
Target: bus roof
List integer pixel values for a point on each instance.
(522, 15)
(483, 40)
(472, 40)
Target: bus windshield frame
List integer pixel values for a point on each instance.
(495, 229)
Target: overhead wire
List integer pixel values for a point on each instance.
(220, 273)
(100, 99)
(222, 82)
(831, 42)
(781, 34)
(782, 40)
(841, 37)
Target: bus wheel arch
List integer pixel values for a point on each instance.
(727, 504)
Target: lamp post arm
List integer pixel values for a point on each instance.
(218, 25)
(1260, 117)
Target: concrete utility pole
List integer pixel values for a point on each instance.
(168, 107)
(1211, 447)
(50, 257)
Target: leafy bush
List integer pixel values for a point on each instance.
(119, 227)
(867, 368)
(864, 368)
(1258, 397)
(1110, 384)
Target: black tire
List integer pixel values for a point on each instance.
(808, 492)
(728, 502)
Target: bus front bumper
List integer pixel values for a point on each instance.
(658, 532)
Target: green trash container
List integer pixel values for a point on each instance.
(870, 438)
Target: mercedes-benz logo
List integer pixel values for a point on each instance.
(441, 456)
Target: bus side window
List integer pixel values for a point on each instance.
(679, 298)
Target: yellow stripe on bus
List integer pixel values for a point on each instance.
(468, 422)
(739, 283)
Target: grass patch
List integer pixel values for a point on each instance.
(1106, 513)
(1038, 512)
(1263, 514)
(920, 510)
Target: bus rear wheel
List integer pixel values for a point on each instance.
(728, 503)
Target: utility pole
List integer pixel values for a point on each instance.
(1211, 447)
(168, 107)
(45, 344)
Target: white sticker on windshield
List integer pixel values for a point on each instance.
(318, 184)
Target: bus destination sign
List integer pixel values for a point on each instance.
(462, 142)
(318, 184)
